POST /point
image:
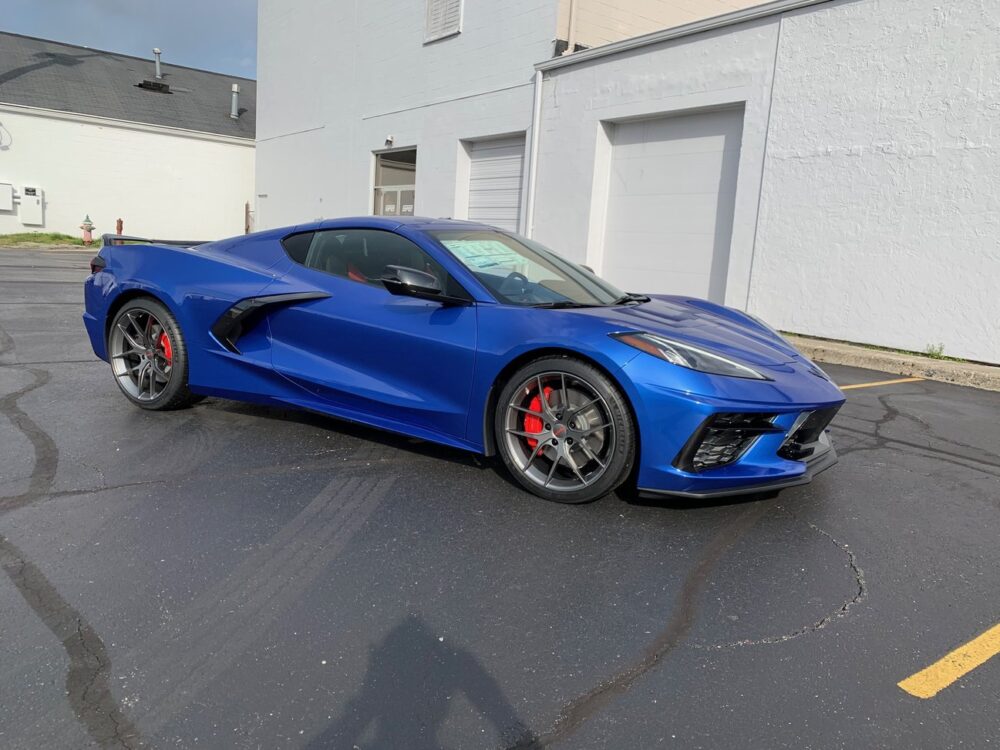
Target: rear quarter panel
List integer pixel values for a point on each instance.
(197, 286)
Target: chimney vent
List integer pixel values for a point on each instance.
(234, 109)
(157, 53)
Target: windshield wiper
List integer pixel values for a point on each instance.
(562, 304)
(626, 298)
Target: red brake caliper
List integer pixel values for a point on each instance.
(533, 423)
(168, 353)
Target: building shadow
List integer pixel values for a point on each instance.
(412, 682)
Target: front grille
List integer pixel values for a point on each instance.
(802, 442)
(722, 439)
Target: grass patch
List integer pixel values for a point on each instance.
(40, 238)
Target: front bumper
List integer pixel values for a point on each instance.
(814, 465)
(672, 409)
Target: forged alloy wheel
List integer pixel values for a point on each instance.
(148, 356)
(141, 354)
(565, 433)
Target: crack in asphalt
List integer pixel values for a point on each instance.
(45, 449)
(88, 687)
(579, 710)
(860, 595)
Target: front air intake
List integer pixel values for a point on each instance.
(802, 441)
(722, 439)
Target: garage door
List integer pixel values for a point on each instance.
(495, 178)
(670, 204)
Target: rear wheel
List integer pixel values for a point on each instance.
(564, 431)
(148, 356)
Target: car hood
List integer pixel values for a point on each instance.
(699, 323)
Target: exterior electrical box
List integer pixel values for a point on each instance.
(32, 210)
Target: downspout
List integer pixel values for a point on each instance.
(536, 122)
(571, 32)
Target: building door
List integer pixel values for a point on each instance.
(395, 181)
(670, 204)
(496, 172)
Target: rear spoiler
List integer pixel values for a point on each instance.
(122, 239)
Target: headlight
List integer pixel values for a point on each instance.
(688, 356)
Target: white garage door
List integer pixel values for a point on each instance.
(495, 178)
(670, 204)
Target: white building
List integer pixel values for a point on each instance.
(830, 165)
(89, 132)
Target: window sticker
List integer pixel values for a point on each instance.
(483, 253)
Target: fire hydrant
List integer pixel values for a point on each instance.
(88, 231)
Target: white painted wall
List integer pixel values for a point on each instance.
(582, 102)
(177, 185)
(879, 220)
(337, 78)
(874, 165)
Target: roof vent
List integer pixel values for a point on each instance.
(158, 86)
(157, 53)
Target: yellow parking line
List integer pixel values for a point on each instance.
(879, 382)
(929, 682)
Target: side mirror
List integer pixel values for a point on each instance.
(409, 282)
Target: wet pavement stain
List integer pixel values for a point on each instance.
(88, 679)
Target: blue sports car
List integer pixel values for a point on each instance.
(473, 337)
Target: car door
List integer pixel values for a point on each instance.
(388, 359)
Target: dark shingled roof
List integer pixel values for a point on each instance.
(52, 75)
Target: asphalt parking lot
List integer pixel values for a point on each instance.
(234, 576)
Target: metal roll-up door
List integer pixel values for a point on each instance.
(495, 177)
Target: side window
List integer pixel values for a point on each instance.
(297, 246)
(362, 255)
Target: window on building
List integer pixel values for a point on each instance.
(395, 181)
(362, 255)
(444, 18)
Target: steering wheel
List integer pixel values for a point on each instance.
(514, 276)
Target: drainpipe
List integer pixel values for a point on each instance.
(156, 54)
(571, 33)
(234, 109)
(536, 122)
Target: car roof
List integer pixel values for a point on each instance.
(387, 222)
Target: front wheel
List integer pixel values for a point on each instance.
(148, 356)
(564, 430)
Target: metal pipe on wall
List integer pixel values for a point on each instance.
(536, 121)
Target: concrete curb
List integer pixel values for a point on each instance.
(55, 248)
(913, 365)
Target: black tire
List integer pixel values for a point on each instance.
(611, 462)
(170, 373)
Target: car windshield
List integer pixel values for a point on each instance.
(519, 271)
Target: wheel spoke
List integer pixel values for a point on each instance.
(128, 337)
(592, 430)
(541, 396)
(533, 413)
(579, 409)
(524, 434)
(590, 454)
(137, 327)
(576, 470)
(552, 471)
(565, 396)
